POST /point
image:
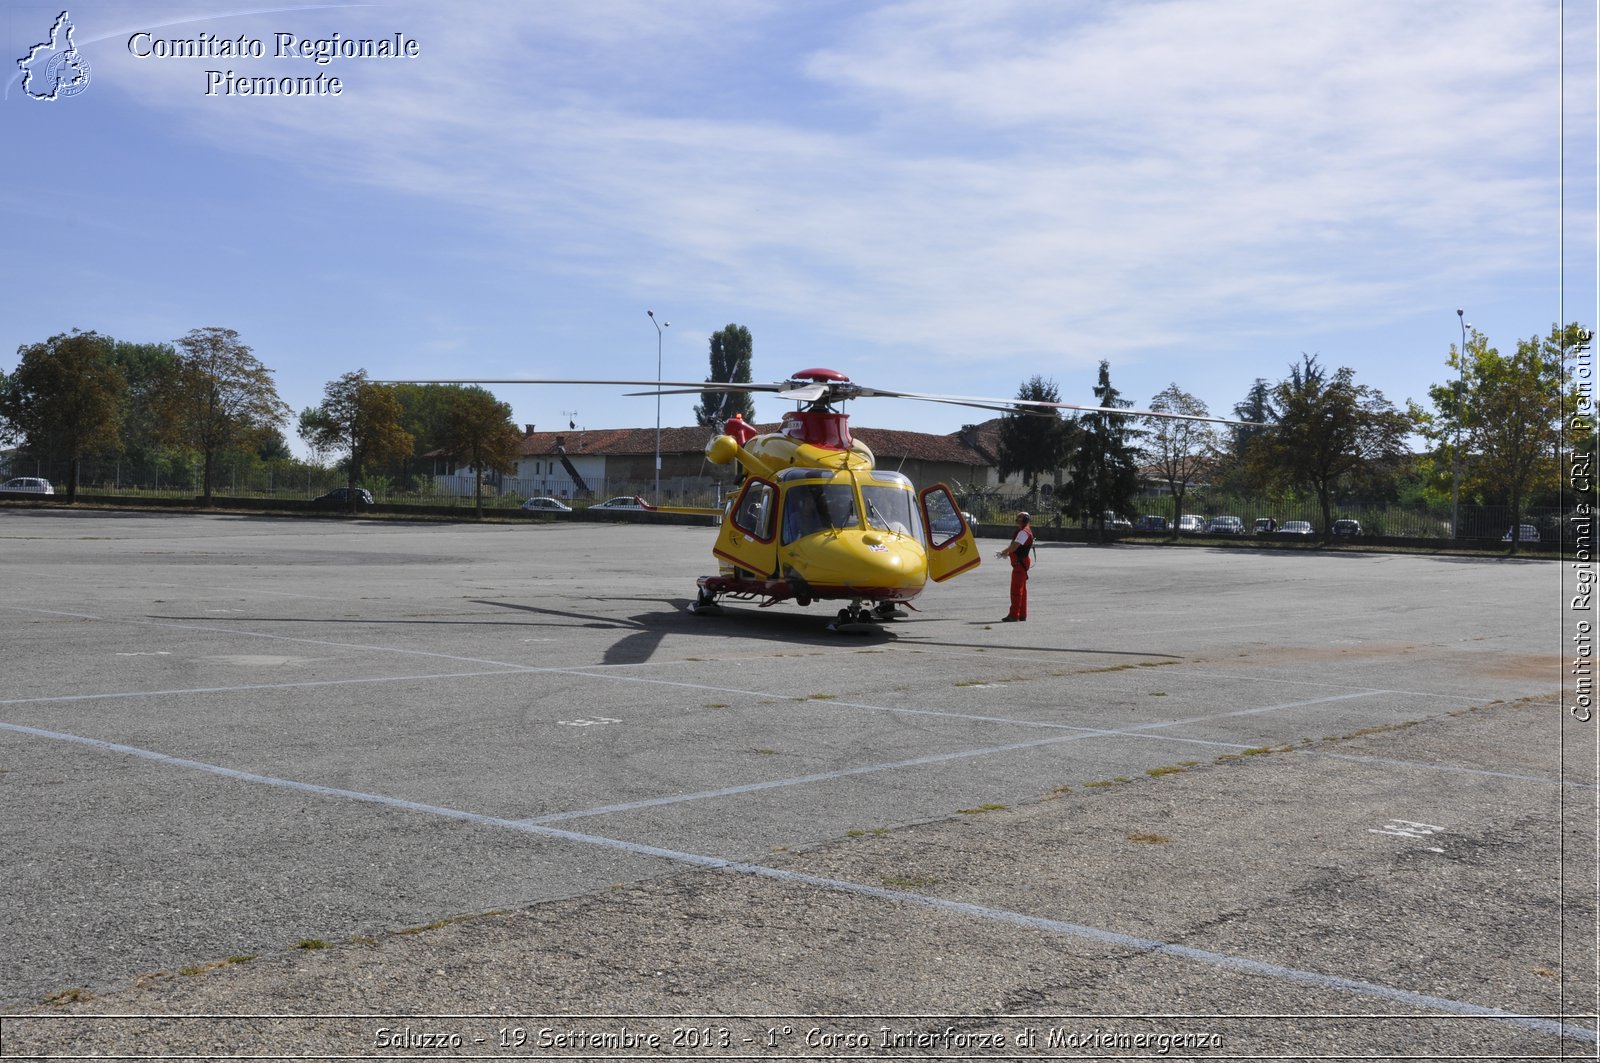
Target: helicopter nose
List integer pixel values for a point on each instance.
(872, 562)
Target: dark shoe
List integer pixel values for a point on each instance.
(1022, 618)
(1009, 619)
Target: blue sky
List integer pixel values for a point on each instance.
(929, 195)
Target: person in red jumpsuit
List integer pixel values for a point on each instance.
(1020, 551)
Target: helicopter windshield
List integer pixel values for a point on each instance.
(809, 508)
(892, 509)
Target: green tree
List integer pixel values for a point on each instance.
(65, 399)
(1232, 475)
(225, 399)
(151, 370)
(360, 420)
(731, 350)
(422, 414)
(1105, 464)
(478, 432)
(1328, 429)
(1505, 411)
(1180, 448)
(1034, 444)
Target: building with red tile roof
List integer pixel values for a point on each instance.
(601, 462)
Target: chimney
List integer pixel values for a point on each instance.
(527, 429)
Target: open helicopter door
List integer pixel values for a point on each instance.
(748, 540)
(951, 548)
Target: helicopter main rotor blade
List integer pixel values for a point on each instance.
(1044, 408)
(840, 391)
(689, 386)
(805, 393)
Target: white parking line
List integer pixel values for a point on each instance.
(1115, 939)
(603, 673)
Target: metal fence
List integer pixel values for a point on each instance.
(292, 480)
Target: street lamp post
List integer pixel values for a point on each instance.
(1455, 472)
(659, 326)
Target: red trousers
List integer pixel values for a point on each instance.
(1019, 591)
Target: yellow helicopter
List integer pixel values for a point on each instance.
(812, 518)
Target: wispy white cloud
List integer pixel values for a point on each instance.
(1008, 178)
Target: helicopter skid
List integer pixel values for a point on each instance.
(773, 591)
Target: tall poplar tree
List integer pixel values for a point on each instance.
(731, 350)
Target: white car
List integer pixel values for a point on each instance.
(620, 502)
(1225, 526)
(546, 505)
(28, 485)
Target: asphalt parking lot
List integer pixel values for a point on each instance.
(277, 771)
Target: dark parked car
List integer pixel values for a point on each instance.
(1150, 522)
(339, 498)
(1225, 526)
(1266, 525)
(1347, 529)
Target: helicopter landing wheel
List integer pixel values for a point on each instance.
(854, 620)
(888, 611)
(705, 604)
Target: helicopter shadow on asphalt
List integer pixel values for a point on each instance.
(753, 623)
(649, 628)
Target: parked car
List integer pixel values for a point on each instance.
(1347, 529)
(547, 505)
(1191, 524)
(1526, 533)
(1296, 529)
(946, 523)
(620, 502)
(27, 485)
(1225, 526)
(339, 498)
(1114, 521)
(1151, 522)
(1266, 525)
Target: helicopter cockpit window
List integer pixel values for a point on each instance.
(945, 523)
(754, 513)
(893, 509)
(812, 508)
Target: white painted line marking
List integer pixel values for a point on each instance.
(589, 672)
(1055, 926)
(1405, 828)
